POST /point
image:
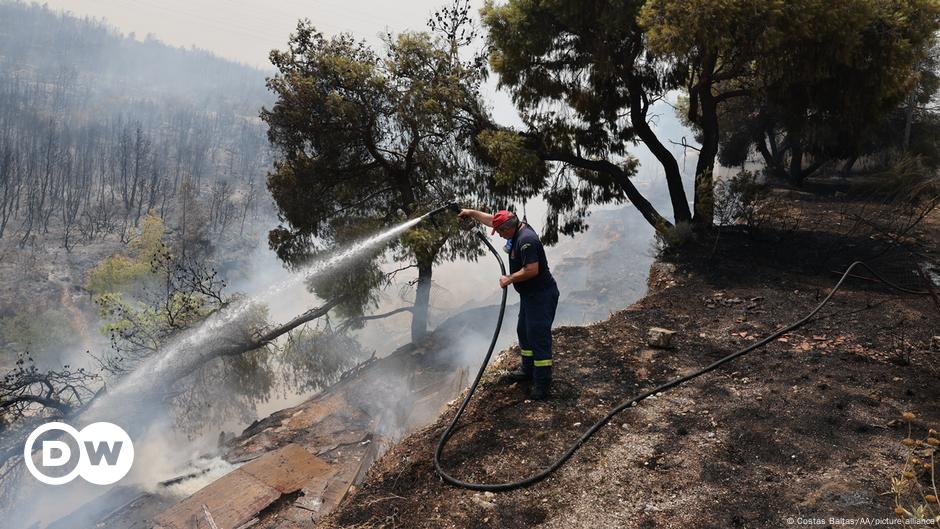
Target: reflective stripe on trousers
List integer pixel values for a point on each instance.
(536, 314)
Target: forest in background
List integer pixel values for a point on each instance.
(98, 128)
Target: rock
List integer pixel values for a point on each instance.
(935, 343)
(483, 503)
(660, 337)
(660, 275)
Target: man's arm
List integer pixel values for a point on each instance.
(530, 265)
(479, 216)
(524, 274)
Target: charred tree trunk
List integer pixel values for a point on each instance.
(419, 315)
(796, 158)
(704, 168)
(908, 120)
(639, 106)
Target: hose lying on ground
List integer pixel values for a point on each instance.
(542, 474)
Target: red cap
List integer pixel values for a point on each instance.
(499, 218)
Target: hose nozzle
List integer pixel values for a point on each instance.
(450, 206)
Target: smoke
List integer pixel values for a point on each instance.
(598, 272)
(136, 402)
(184, 353)
(601, 271)
(161, 453)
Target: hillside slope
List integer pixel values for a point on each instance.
(804, 427)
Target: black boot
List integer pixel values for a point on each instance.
(541, 381)
(519, 375)
(541, 391)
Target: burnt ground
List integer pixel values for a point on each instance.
(805, 427)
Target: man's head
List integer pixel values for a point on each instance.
(505, 222)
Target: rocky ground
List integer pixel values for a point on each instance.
(806, 427)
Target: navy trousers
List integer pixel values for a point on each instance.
(536, 314)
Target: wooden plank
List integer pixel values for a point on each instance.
(234, 499)
(288, 468)
(238, 496)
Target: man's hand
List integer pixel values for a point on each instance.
(504, 281)
(483, 218)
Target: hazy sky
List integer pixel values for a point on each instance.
(246, 30)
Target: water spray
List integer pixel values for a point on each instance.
(177, 356)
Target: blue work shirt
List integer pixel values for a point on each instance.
(527, 249)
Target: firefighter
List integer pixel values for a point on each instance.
(538, 297)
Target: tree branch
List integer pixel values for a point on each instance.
(310, 315)
(618, 175)
(352, 321)
(724, 96)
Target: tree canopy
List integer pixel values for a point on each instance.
(584, 75)
(366, 141)
(825, 73)
(583, 81)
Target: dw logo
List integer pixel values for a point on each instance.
(101, 453)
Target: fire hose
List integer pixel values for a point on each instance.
(545, 472)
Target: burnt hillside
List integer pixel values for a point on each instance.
(807, 426)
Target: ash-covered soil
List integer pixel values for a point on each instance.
(805, 427)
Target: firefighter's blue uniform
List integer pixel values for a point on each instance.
(538, 301)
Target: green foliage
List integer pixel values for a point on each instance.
(804, 46)
(827, 73)
(366, 140)
(149, 241)
(119, 272)
(583, 82)
(576, 54)
(138, 326)
(145, 297)
(116, 273)
(516, 164)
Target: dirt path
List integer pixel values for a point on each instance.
(76, 316)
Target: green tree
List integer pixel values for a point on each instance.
(366, 141)
(714, 44)
(584, 82)
(824, 73)
(121, 272)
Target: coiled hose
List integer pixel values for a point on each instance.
(545, 472)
